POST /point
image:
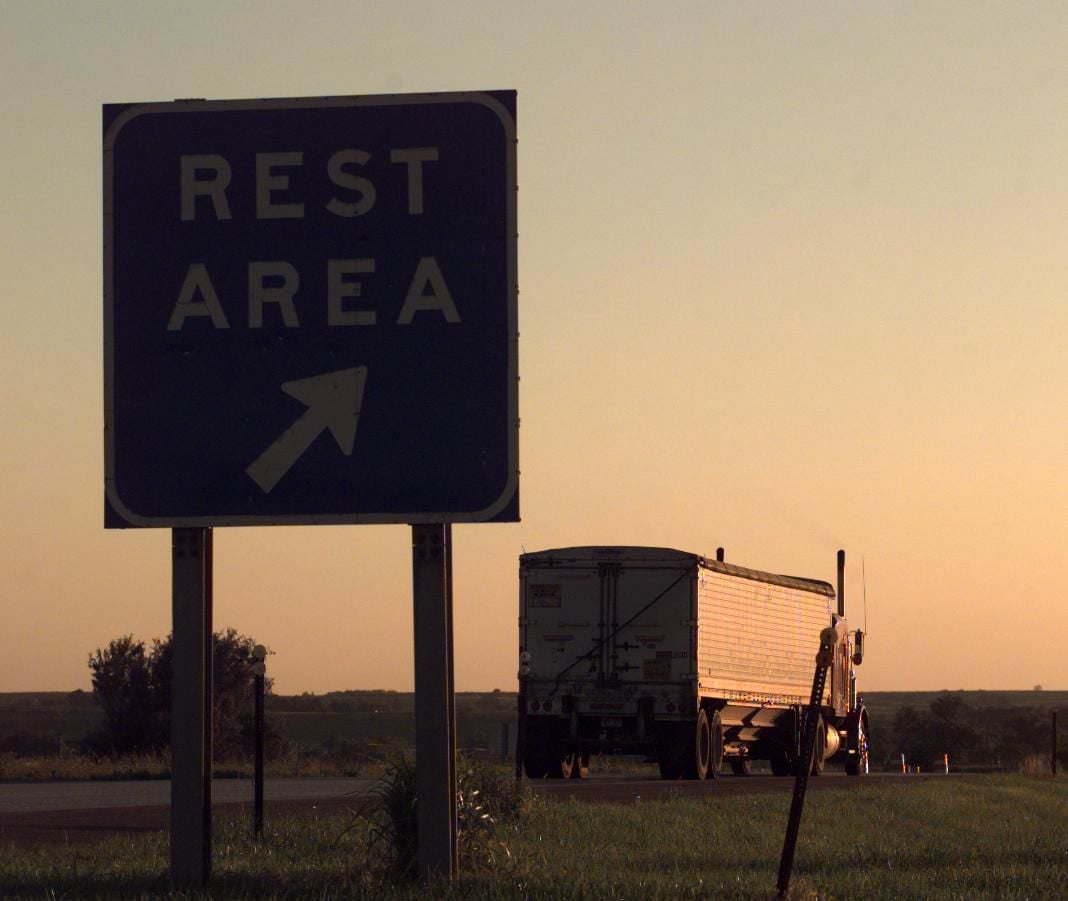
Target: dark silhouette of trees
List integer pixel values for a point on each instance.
(123, 677)
(133, 687)
(994, 737)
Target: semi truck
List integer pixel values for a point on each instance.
(697, 663)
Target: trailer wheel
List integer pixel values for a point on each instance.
(669, 740)
(715, 757)
(581, 767)
(856, 764)
(741, 766)
(820, 748)
(535, 767)
(562, 765)
(700, 760)
(535, 750)
(782, 762)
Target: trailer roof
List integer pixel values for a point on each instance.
(605, 553)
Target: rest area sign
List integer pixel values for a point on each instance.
(310, 311)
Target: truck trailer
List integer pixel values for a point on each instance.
(693, 661)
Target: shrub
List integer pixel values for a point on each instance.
(1036, 765)
(486, 797)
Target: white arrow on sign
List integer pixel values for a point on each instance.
(333, 401)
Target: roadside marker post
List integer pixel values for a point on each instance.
(521, 718)
(824, 659)
(259, 670)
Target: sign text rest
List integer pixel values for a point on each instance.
(206, 177)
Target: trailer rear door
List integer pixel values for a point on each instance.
(609, 615)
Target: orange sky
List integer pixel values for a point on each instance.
(792, 279)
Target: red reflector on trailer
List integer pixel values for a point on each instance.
(535, 705)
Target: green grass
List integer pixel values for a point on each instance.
(976, 837)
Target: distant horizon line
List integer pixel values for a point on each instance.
(513, 690)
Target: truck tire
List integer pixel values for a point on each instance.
(698, 760)
(562, 765)
(705, 760)
(534, 767)
(668, 767)
(782, 762)
(535, 749)
(671, 745)
(715, 757)
(741, 766)
(820, 747)
(856, 762)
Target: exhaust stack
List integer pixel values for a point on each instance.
(719, 554)
(841, 583)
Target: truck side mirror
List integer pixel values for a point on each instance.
(858, 648)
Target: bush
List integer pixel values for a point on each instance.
(133, 686)
(390, 812)
(1036, 765)
(486, 798)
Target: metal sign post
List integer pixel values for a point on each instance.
(311, 317)
(191, 738)
(454, 783)
(435, 750)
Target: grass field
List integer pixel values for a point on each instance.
(972, 837)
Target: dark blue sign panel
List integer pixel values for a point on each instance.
(310, 311)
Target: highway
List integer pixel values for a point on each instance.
(63, 811)
(34, 797)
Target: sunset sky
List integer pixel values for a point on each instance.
(793, 278)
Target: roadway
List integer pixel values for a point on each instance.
(63, 811)
(36, 812)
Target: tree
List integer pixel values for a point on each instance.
(996, 736)
(232, 712)
(123, 686)
(134, 689)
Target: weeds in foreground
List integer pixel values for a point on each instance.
(1037, 766)
(392, 820)
(485, 798)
